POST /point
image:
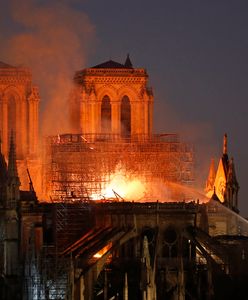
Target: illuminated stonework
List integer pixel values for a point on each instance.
(19, 101)
(223, 183)
(114, 153)
(112, 98)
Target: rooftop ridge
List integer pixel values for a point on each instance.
(110, 64)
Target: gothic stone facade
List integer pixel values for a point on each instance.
(112, 98)
(19, 104)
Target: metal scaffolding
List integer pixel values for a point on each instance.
(78, 166)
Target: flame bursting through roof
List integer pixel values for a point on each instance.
(123, 186)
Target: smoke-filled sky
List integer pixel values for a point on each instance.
(52, 38)
(196, 54)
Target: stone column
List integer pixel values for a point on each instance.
(115, 117)
(93, 118)
(138, 114)
(90, 112)
(18, 129)
(82, 116)
(98, 114)
(150, 105)
(36, 126)
(134, 117)
(81, 288)
(31, 125)
(87, 116)
(24, 125)
(5, 126)
(146, 117)
(141, 125)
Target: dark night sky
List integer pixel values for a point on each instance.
(196, 54)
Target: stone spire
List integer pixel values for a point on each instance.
(148, 284)
(12, 167)
(224, 154)
(232, 187)
(225, 186)
(11, 218)
(13, 181)
(3, 175)
(231, 175)
(215, 197)
(225, 144)
(211, 177)
(3, 165)
(128, 63)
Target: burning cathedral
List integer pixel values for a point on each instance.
(117, 215)
(115, 152)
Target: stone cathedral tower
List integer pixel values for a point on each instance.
(19, 101)
(112, 98)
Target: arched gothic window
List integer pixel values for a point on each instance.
(125, 117)
(106, 115)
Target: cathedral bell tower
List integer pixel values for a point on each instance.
(19, 101)
(19, 104)
(112, 99)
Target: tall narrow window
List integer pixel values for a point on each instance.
(106, 115)
(125, 117)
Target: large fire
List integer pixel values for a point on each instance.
(124, 186)
(107, 168)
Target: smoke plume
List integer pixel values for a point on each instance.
(200, 134)
(53, 39)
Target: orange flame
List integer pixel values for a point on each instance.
(100, 253)
(126, 187)
(131, 188)
(123, 184)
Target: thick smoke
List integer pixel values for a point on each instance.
(53, 39)
(198, 133)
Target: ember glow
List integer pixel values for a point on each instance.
(100, 253)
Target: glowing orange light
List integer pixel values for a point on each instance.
(126, 187)
(131, 188)
(123, 184)
(100, 253)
